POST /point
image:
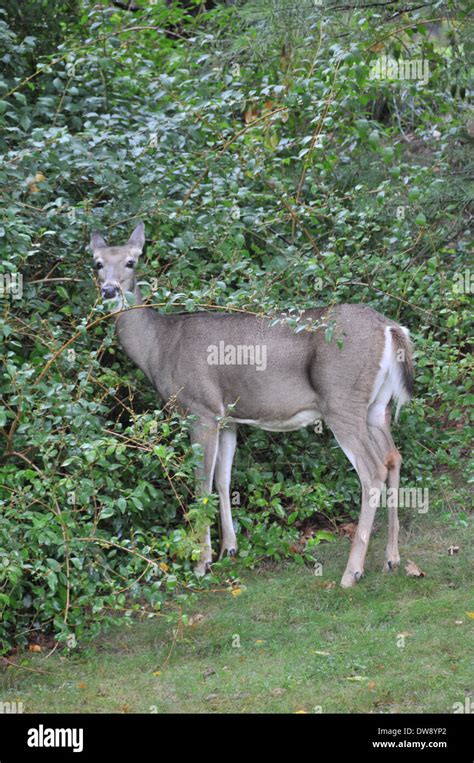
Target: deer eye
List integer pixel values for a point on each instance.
(99, 265)
(130, 263)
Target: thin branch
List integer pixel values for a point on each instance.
(55, 280)
(126, 6)
(24, 667)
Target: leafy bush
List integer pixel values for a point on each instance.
(270, 175)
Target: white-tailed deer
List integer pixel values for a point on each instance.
(229, 369)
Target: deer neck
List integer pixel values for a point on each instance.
(138, 331)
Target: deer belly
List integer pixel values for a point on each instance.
(297, 421)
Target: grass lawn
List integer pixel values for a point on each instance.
(291, 641)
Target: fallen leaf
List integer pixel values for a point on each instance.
(125, 708)
(236, 591)
(329, 584)
(163, 567)
(82, 685)
(470, 615)
(413, 571)
(277, 692)
(157, 673)
(35, 648)
(371, 685)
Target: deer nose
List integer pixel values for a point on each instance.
(109, 291)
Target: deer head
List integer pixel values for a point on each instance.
(115, 265)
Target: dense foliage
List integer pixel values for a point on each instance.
(273, 170)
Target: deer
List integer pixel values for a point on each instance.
(238, 368)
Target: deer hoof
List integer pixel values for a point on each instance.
(391, 565)
(227, 552)
(349, 579)
(202, 568)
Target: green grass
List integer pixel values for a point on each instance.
(303, 646)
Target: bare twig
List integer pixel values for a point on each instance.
(24, 667)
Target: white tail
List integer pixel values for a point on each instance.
(394, 379)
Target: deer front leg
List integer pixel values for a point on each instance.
(206, 434)
(223, 472)
(204, 564)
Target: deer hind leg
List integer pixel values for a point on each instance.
(206, 434)
(222, 477)
(382, 439)
(354, 439)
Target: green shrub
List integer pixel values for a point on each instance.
(268, 177)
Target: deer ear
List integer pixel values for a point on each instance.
(137, 239)
(97, 242)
